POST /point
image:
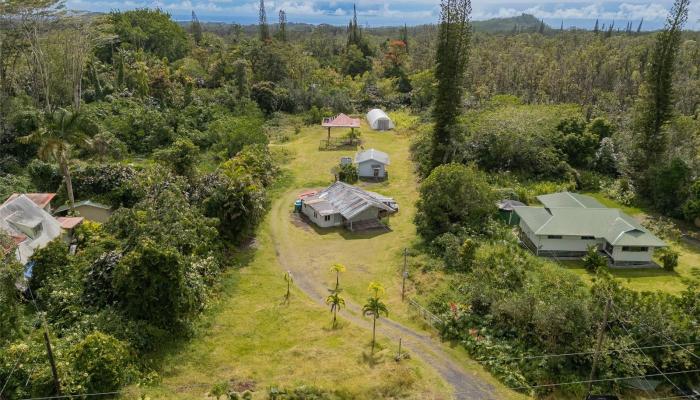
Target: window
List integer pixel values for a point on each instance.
(588, 237)
(315, 215)
(637, 249)
(554, 237)
(326, 217)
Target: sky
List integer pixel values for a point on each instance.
(412, 12)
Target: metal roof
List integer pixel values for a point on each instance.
(372, 154)
(508, 205)
(346, 200)
(568, 199)
(21, 217)
(83, 203)
(341, 121)
(611, 224)
(40, 199)
(69, 222)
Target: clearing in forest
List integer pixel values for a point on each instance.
(251, 338)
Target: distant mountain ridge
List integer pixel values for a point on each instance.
(523, 22)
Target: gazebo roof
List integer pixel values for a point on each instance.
(341, 121)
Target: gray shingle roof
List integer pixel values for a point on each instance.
(346, 200)
(372, 154)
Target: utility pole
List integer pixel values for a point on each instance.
(404, 274)
(54, 371)
(599, 343)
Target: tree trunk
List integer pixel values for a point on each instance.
(374, 330)
(69, 182)
(335, 312)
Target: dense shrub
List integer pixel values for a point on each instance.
(669, 258)
(594, 260)
(150, 285)
(231, 134)
(48, 262)
(453, 198)
(348, 173)
(102, 363)
(45, 177)
(181, 157)
(111, 183)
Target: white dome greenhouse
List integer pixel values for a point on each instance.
(379, 121)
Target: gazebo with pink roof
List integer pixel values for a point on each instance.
(340, 121)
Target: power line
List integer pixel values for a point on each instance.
(604, 380)
(583, 353)
(667, 338)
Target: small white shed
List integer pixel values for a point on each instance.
(372, 164)
(379, 121)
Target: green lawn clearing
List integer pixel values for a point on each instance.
(250, 338)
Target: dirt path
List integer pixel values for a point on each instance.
(419, 344)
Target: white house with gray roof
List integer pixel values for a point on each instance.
(569, 223)
(345, 205)
(372, 163)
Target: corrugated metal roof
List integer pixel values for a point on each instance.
(346, 200)
(40, 199)
(372, 154)
(341, 121)
(22, 217)
(568, 199)
(69, 222)
(508, 205)
(84, 203)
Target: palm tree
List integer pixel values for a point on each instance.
(375, 308)
(337, 268)
(60, 131)
(336, 302)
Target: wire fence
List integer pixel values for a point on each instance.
(430, 318)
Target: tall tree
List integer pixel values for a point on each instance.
(404, 36)
(639, 28)
(655, 105)
(451, 60)
(263, 28)
(196, 28)
(596, 28)
(60, 130)
(282, 33)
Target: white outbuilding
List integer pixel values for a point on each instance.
(372, 163)
(379, 121)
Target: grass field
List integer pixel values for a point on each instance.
(250, 338)
(645, 279)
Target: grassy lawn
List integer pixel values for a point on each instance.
(645, 279)
(250, 336)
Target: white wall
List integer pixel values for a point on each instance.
(318, 219)
(365, 169)
(566, 243)
(632, 256)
